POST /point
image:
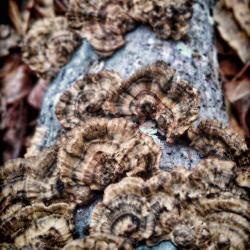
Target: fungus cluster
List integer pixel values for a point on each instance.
(104, 23)
(49, 45)
(50, 42)
(200, 209)
(213, 138)
(151, 93)
(102, 150)
(86, 159)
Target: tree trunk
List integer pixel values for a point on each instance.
(194, 59)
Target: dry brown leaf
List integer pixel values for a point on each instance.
(30, 10)
(15, 123)
(16, 83)
(231, 32)
(35, 97)
(238, 95)
(8, 39)
(228, 67)
(236, 90)
(45, 8)
(16, 18)
(241, 11)
(243, 108)
(61, 6)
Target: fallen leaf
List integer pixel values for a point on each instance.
(61, 6)
(14, 123)
(8, 39)
(16, 82)
(241, 11)
(236, 90)
(231, 32)
(35, 97)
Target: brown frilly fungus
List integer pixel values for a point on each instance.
(190, 208)
(99, 242)
(26, 180)
(38, 225)
(213, 138)
(49, 228)
(124, 211)
(48, 46)
(86, 97)
(102, 151)
(152, 93)
(105, 23)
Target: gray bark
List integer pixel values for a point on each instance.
(194, 59)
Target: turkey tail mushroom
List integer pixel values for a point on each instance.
(153, 93)
(103, 151)
(124, 211)
(99, 241)
(213, 138)
(31, 179)
(48, 46)
(39, 226)
(105, 23)
(85, 98)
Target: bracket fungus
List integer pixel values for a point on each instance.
(124, 211)
(98, 242)
(168, 19)
(187, 207)
(48, 46)
(49, 227)
(105, 23)
(213, 138)
(86, 97)
(103, 151)
(153, 93)
(38, 224)
(26, 180)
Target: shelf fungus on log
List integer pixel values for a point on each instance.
(39, 226)
(103, 151)
(124, 211)
(153, 93)
(48, 46)
(190, 208)
(213, 138)
(86, 97)
(168, 19)
(99, 242)
(25, 181)
(105, 23)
